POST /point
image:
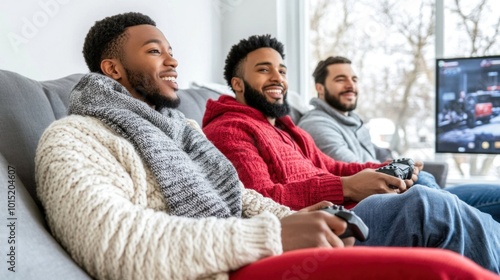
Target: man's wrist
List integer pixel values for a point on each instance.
(345, 183)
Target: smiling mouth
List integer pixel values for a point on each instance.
(275, 93)
(171, 79)
(349, 92)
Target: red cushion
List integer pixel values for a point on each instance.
(365, 263)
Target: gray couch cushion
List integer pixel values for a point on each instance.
(193, 102)
(37, 254)
(27, 107)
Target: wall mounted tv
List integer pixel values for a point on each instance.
(468, 105)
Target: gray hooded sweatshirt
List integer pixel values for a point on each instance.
(342, 137)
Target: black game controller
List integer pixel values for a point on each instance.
(401, 168)
(355, 226)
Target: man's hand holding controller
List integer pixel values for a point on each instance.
(334, 226)
(404, 168)
(355, 226)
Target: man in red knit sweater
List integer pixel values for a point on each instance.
(270, 153)
(281, 161)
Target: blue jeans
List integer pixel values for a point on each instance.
(485, 197)
(427, 179)
(481, 196)
(426, 217)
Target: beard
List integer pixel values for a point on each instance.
(335, 101)
(257, 100)
(150, 91)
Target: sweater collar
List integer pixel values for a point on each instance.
(229, 104)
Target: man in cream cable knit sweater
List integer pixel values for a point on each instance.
(278, 159)
(133, 190)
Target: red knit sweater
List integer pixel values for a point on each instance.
(281, 162)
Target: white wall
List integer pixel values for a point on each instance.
(244, 18)
(279, 18)
(43, 39)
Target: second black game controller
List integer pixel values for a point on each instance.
(401, 168)
(355, 226)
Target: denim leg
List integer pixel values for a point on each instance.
(427, 179)
(425, 217)
(485, 197)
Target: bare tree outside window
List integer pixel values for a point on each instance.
(390, 44)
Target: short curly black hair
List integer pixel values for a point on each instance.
(321, 72)
(240, 51)
(104, 39)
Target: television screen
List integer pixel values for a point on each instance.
(468, 105)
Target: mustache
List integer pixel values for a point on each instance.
(275, 85)
(349, 91)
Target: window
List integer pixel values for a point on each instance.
(393, 46)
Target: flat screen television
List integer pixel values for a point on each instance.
(468, 105)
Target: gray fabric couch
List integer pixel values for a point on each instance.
(27, 107)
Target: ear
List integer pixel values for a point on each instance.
(237, 84)
(111, 68)
(320, 89)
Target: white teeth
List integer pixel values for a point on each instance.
(274, 91)
(172, 79)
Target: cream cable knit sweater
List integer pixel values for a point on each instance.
(104, 206)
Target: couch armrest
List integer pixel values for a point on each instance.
(35, 254)
(383, 154)
(439, 170)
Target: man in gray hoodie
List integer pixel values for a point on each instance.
(340, 133)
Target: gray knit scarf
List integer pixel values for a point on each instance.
(195, 178)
